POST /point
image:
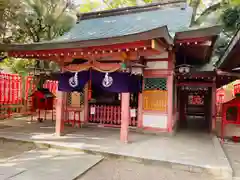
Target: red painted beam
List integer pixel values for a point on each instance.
(75, 51)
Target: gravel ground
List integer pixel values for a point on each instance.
(12, 148)
(113, 169)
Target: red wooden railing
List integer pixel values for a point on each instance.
(108, 115)
(73, 116)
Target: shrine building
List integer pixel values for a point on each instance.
(141, 68)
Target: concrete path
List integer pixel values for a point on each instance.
(47, 164)
(194, 152)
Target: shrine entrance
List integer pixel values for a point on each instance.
(194, 107)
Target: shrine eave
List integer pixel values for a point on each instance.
(198, 35)
(132, 42)
(230, 58)
(195, 46)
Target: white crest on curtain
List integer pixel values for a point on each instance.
(107, 80)
(73, 81)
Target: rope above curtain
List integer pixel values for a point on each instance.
(101, 67)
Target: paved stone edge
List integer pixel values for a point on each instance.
(170, 164)
(95, 164)
(226, 171)
(46, 145)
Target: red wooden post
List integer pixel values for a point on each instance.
(125, 116)
(4, 88)
(224, 108)
(104, 114)
(119, 114)
(86, 104)
(213, 115)
(140, 111)
(170, 102)
(9, 89)
(59, 128)
(111, 115)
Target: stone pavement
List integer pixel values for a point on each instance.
(47, 164)
(194, 152)
(233, 152)
(117, 169)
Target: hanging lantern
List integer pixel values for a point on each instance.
(123, 66)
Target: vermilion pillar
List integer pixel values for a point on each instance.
(213, 107)
(125, 116)
(86, 105)
(140, 110)
(170, 102)
(59, 127)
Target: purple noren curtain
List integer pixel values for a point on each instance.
(118, 82)
(114, 82)
(67, 85)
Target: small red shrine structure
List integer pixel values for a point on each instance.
(42, 99)
(230, 114)
(179, 81)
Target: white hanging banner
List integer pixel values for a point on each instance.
(92, 110)
(133, 113)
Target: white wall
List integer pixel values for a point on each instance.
(155, 121)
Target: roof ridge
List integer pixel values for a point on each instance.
(132, 9)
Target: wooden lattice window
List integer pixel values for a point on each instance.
(69, 98)
(155, 95)
(75, 98)
(155, 84)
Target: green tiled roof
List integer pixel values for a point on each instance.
(175, 18)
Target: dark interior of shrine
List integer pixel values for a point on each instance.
(194, 105)
(102, 97)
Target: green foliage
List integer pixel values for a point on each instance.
(119, 3)
(39, 20)
(231, 18)
(34, 21)
(235, 2)
(89, 6)
(18, 66)
(224, 12)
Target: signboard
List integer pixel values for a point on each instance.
(155, 100)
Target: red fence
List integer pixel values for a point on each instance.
(109, 115)
(10, 94)
(14, 96)
(10, 89)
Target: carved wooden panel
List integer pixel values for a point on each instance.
(155, 100)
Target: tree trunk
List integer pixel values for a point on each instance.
(194, 4)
